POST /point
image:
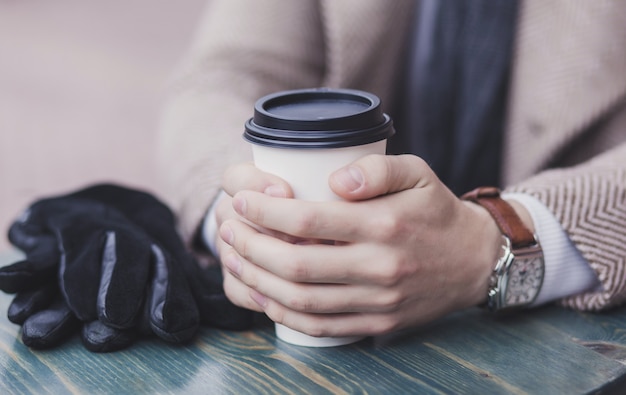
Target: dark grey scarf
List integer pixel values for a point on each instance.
(455, 92)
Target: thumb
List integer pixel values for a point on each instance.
(376, 175)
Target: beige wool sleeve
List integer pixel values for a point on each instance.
(242, 51)
(589, 200)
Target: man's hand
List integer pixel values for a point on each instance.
(399, 250)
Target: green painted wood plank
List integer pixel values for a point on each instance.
(523, 351)
(544, 351)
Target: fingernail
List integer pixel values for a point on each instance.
(258, 298)
(350, 177)
(239, 204)
(275, 191)
(233, 264)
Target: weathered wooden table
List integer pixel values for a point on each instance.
(546, 351)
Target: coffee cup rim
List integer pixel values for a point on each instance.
(363, 121)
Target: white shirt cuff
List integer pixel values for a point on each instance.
(209, 226)
(566, 270)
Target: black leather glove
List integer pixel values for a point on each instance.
(158, 221)
(109, 257)
(108, 273)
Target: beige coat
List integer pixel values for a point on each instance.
(567, 109)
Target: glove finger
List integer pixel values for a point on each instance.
(33, 238)
(214, 307)
(172, 308)
(125, 274)
(51, 327)
(98, 337)
(26, 275)
(26, 304)
(103, 275)
(24, 232)
(79, 269)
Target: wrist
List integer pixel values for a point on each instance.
(487, 247)
(518, 274)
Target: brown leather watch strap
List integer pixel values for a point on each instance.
(508, 221)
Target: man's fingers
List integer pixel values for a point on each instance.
(334, 325)
(304, 262)
(248, 177)
(305, 220)
(239, 293)
(376, 175)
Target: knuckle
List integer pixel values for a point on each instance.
(386, 324)
(245, 249)
(297, 270)
(390, 300)
(244, 244)
(254, 213)
(302, 303)
(378, 170)
(376, 161)
(234, 292)
(386, 225)
(304, 222)
(302, 323)
(316, 330)
(417, 162)
(249, 280)
(276, 314)
(391, 273)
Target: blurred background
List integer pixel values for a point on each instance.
(80, 86)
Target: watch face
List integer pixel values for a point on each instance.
(525, 278)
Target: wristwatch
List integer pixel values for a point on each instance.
(518, 274)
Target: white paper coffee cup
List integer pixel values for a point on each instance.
(305, 135)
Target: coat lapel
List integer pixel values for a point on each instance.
(569, 70)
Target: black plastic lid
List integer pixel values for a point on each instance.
(318, 118)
